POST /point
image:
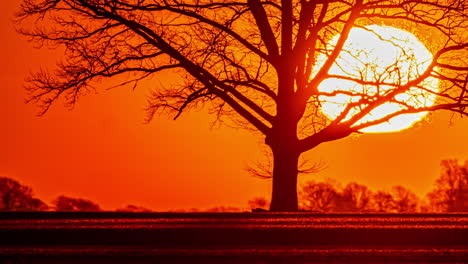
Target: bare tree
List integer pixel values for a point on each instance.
(383, 202)
(256, 63)
(355, 198)
(450, 193)
(320, 196)
(17, 197)
(404, 200)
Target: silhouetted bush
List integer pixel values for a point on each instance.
(224, 209)
(259, 203)
(133, 208)
(64, 203)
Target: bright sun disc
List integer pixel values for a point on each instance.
(387, 54)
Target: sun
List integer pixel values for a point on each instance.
(382, 54)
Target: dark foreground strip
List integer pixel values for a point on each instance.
(117, 255)
(232, 238)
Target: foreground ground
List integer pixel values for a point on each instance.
(52, 237)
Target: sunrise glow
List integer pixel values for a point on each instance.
(379, 54)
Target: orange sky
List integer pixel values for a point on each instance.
(101, 150)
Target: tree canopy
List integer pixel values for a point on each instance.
(256, 63)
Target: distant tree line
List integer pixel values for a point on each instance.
(17, 197)
(450, 194)
(354, 197)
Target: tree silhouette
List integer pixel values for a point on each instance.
(65, 203)
(320, 196)
(256, 63)
(404, 200)
(354, 198)
(329, 197)
(450, 193)
(17, 197)
(383, 202)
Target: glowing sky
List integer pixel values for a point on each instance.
(101, 150)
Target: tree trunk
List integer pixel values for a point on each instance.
(284, 193)
(283, 141)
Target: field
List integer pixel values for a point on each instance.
(51, 237)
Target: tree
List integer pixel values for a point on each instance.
(451, 188)
(404, 200)
(256, 63)
(383, 202)
(320, 196)
(354, 198)
(65, 203)
(17, 197)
